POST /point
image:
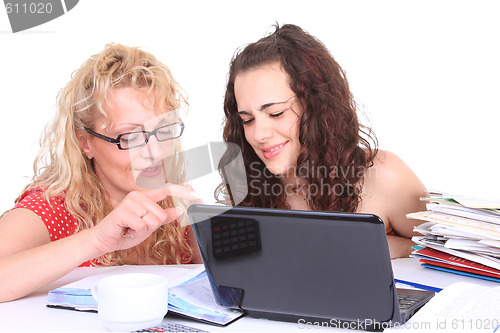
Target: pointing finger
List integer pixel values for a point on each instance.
(177, 191)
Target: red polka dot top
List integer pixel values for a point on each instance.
(58, 220)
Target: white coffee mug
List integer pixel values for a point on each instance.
(134, 301)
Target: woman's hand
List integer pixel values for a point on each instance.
(137, 217)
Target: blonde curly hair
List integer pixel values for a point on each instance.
(62, 169)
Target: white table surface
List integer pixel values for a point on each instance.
(31, 314)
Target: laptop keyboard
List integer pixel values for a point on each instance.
(408, 301)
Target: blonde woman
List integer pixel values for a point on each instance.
(106, 186)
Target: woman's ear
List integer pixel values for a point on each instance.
(83, 142)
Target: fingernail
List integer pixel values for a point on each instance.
(180, 211)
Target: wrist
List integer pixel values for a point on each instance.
(90, 242)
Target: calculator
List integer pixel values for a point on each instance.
(172, 327)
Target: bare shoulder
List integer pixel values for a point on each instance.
(21, 229)
(392, 190)
(389, 171)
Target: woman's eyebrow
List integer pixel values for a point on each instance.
(268, 105)
(136, 126)
(262, 107)
(124, 127)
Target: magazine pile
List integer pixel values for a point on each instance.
(461, 235)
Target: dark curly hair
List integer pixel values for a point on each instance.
(336, 150)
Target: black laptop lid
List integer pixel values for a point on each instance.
(286, 264)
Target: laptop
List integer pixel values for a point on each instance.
(302, 266)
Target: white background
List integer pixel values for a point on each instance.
(426, 73)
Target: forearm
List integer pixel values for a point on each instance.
(399, 247)
(33, 266)
(27, 271)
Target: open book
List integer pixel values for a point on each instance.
(462, 306)
(190, 294)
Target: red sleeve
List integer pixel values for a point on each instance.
(59, 222)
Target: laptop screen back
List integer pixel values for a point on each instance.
(287, 265)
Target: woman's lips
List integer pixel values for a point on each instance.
(272, 151)
(152, 171)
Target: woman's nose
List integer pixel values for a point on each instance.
(155, 149)
(263, 130)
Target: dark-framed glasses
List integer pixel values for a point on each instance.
(140, 138)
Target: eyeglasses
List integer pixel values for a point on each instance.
(140, 138)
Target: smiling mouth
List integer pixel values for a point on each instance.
(151, 168)
(270, 152)
(274, 148)
(151, 171)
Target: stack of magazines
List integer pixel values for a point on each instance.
(461, 235)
